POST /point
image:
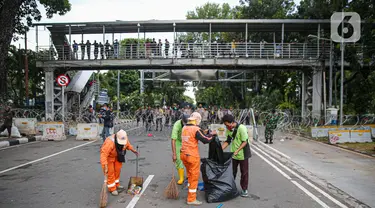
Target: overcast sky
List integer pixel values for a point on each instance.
(112, 10)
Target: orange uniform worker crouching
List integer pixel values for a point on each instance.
(112, 155)
(191, 133)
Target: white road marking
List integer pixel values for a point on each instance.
(20, 145)
(272, 165)
(277, 151)
(304, 180)
(309, 194)
(294, 182)
(43, 158)
(135, 199)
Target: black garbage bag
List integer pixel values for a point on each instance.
(215, 152)
(219, 183)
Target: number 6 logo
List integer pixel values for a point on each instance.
(345, 27)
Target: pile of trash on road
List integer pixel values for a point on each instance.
(134, 189)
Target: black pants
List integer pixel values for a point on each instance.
(148, 125)
(244, 168)
(167, 118)
(9, 128)
(159, 122)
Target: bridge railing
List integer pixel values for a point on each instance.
(185, 50)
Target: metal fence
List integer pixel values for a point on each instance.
(188, 50)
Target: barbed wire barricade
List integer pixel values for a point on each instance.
(141, 123)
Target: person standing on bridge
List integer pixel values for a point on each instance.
(166, 48)
(112, 155)
(75, 50)
(271, 124)
(176, 146)
(107, 46)
(88, 47)
(191, 134)
(83, 48)
(96, 50)
(116, 47)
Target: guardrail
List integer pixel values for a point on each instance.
(187, 50)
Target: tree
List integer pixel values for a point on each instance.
(359, 81)
(265, 9)
(209, 11)
(12, 16)
(15, 62)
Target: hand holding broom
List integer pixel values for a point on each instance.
(103, 193)
(171, 192)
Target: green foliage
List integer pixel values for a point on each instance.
(210, 11)
(286, 106)
(15, 63)
(128, 82)
(154, 93)
(30, 12)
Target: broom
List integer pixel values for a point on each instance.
(103, 194)
(171, 192)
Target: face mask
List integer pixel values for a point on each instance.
(230, 128)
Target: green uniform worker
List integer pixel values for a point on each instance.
(176, 146)
(271, 124)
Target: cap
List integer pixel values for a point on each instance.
(122, 137)
(195, 116)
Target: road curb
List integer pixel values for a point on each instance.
(23, 140)
(322, 183)
(336, 146)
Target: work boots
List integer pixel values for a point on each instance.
(195, 203)
(114, 193)
(181, 175)
(266, 142)
(271, 141)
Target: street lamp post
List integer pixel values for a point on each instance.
(118, 93)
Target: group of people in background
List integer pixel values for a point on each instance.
(105, 116)
(168, 115)
(106, 50)
(159, 49)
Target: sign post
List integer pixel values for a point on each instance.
(63, 81)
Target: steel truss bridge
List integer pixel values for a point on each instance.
(308, 57)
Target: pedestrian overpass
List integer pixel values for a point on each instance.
(243, 54)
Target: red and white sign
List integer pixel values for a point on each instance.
(63, 80)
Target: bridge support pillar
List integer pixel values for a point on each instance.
(49, 96)
(317, 94)
(303, 96)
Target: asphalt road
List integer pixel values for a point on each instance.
(68, 174)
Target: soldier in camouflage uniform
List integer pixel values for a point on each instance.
(271, 124)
